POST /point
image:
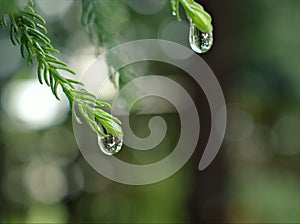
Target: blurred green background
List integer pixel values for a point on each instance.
(255, 177)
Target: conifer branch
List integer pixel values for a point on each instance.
(27, 29)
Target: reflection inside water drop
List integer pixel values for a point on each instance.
(110, 145)
(200, 42)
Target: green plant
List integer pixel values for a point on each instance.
(195, 12)
(98, 17)
(27, 29)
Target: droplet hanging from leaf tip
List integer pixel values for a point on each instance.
(112, 141)
(200, 42)
(110, 145)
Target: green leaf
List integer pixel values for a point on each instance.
(105, 115)
(13, 22)
(112, 128)
(12, 35)
(40, 67)
(74, 113)
(34, 15)
(54, 87)
(66, 69)
(41, 27)
(103, 104)
(39, 48)
(51, 50)
(55, 60)
(196, 14)
(75, 82)
(175, 8)
(38, 34)
(46, 76)
(22, 48)
(28, 21)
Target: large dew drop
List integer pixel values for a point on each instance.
(110, 145)
(200, 42)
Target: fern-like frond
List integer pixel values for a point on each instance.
(27, 29)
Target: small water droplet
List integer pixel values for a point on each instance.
(200, 42)
(173, 13)
(110, 145)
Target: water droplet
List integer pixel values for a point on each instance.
(200, 42)
(173, 13)
(110, 145)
